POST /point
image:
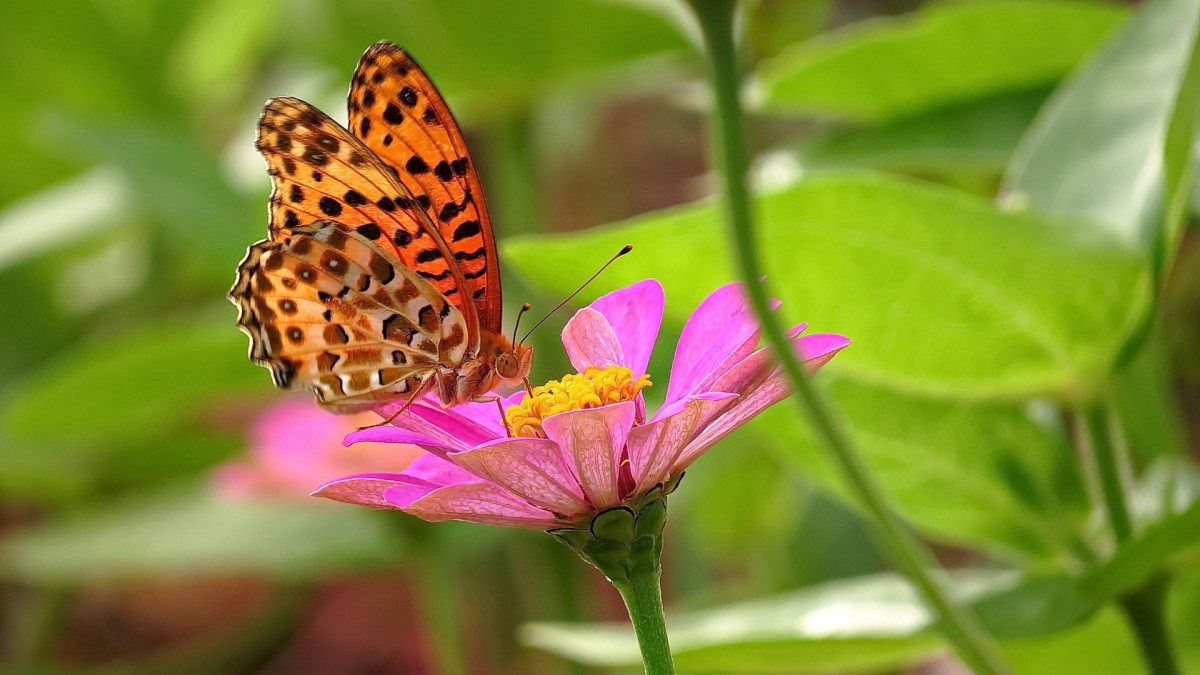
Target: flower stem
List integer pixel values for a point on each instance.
(960, 627)
(1144, 607)
(643, 598)
(433, 569)
(1108, 469)
(625, 544)
(1146, 610)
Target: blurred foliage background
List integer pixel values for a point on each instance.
(976, 193)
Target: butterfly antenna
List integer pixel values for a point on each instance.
(524, 308)
(623, 251)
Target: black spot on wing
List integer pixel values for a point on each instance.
(469, 228)
(463, 255)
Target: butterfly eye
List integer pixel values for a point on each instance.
(506, 366)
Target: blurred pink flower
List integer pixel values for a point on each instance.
(584, 444)
(296, 445)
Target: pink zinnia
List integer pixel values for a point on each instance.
(294, 445)
(585, 444)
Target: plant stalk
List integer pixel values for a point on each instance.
(1145, 607)
(642, 594)
(972, 644)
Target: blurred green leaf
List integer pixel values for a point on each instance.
(1179, 153)
(782, 531)
(1096, 150)
(868, 624)
(208, 63)
(978, 134)
(70, 210)
(497, 56)
(89, 67)
(133, 387)
(1102, 646)
(1144, 392)
(182, 185)
(183, 454)
(942, 293)
(773, 25)
(1167, 499)
(34, 476)
(191, 533)
(990, 476)
(944, 53)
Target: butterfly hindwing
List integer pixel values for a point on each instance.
(396, 110)
(327, 309)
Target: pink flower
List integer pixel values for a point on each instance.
(585, 444)
(295, 445)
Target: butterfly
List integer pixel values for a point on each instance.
(380, 279)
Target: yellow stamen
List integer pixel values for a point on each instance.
(591, 389)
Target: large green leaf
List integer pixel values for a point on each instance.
(944, 53)
(133, 387)
(868, 624)
(499, 55)
(990, 476)
(1097, 148)
(941, 293)
(979, 134)
(190, 533)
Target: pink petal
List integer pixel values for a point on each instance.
(472, 419)
(437, 429)
(592, 442)
(473, 423)
(635, 314)
(722, 328)
(654, 447)
(532, 468)
(757, 400)
(364, 489)
(590, 341)
(474, 502)
(818, 348)
(760, 385)
(437, 471)
(387, 434)
(426, 473)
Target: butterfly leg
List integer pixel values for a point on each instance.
(416, 394)
(500, 407)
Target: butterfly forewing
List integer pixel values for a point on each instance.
(397, 112)
(320, 171)
(327, 309)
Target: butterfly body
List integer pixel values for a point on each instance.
(380, 280)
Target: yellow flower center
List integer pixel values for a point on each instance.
(592, 388)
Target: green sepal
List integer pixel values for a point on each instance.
(623, 540)
(615, 523)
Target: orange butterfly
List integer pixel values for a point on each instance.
(380, 279)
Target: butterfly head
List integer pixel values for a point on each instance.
(513, 365)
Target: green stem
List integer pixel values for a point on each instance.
(440, 607)
(643, 598)
(961, 628)
(1146, 611)
(1144, 608)
(1108, 470)
(513, 180)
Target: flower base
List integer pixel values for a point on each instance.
(624, 541)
